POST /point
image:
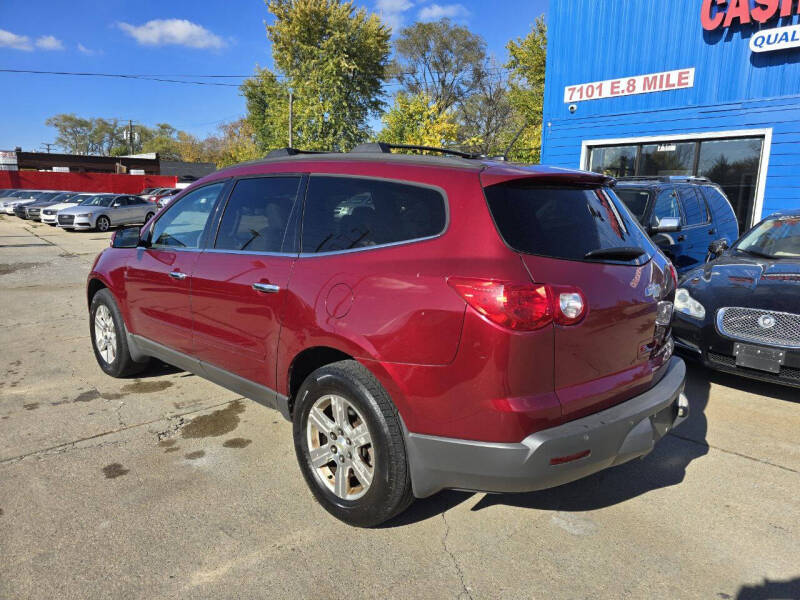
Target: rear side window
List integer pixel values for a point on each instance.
(564, 222)
(344, 213)
(257, 215)
(722, 207)
(694, 207)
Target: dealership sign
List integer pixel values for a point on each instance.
(628, 86)
(724, 13)
(779, 38)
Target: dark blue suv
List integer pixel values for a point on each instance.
(683, 215)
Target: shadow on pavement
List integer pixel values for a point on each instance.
(663, 467)
(771, 590)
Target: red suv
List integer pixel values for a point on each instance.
(425, 322)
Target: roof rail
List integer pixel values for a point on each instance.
(663, 178)
(278, 152)
(386, 148)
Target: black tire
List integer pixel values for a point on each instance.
(389, 492)
(102, 224)
(122, 365)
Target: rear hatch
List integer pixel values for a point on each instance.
(579, 234)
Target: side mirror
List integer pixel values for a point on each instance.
(667, 225)
(716, 248)
(127, 237)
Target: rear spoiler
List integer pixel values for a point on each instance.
(544, 175)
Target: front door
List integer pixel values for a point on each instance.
(239, 284)
(159, 278)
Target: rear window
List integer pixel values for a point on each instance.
(565, 222)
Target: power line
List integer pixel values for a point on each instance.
(122, 76)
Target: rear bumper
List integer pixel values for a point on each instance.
(611, 437)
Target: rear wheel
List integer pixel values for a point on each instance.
(103, 223)
(109, 340)
(349, 444)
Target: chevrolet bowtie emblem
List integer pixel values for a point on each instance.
(653, 290)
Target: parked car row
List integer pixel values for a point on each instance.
(76, 210)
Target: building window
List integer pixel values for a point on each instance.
(732, 163)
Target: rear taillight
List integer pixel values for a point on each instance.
(521, 307)
(674, 275)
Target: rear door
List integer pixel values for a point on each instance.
(697, 230)
(240, 283)
(561, 232)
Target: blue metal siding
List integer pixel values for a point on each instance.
(594, 40)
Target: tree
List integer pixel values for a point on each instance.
(73, 132)
(486, 117)
(334, 59)
(418, 121)
(267, 109)
(445, 62)
(237, 143)
(526, 80)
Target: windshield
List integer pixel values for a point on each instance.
(98, 201)
(62, 196)
(47, 195)
(635, 200)
(573, 223)
(773, 238)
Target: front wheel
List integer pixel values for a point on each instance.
(102, 224)
(110, 344)
(349, 445)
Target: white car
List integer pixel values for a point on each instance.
(104, 211)
(16, 198)
(49, 214)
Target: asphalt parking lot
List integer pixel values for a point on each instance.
(167, 485)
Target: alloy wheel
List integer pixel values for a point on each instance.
(340, 447)
(105, 334)
(103, 224)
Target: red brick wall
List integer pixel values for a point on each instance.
(84, 182)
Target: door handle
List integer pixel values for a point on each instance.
(267, 288)
(712, 231)
(681, 238)
(178, 275)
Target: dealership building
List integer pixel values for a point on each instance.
(689, 87)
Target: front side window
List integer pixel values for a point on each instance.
(345, 213)
(257, 215)
(182, 226)
(666, 206)
(635, 199)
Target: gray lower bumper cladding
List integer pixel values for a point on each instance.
(579, 448)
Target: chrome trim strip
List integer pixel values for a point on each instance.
(267, 288)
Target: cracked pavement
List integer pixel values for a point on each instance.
(169, 486)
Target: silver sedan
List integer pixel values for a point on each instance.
(104, 211)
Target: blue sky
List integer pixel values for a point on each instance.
(176, 37)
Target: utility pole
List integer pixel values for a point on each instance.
(291, 119)
(130, 135)
(47, 146)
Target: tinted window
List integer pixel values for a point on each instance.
(121, 202)
(344, 213)
(666, 206)
(694, 207)
(563, 222)
(257, 213)
(183, 224)
(635, 200)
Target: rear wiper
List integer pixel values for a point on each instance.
(619, 253)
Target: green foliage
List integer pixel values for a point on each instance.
(441, 60)
(334, 59)
(526, 93)
(237, 143)
(486, 117)
(416, 120)
(267, 109)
